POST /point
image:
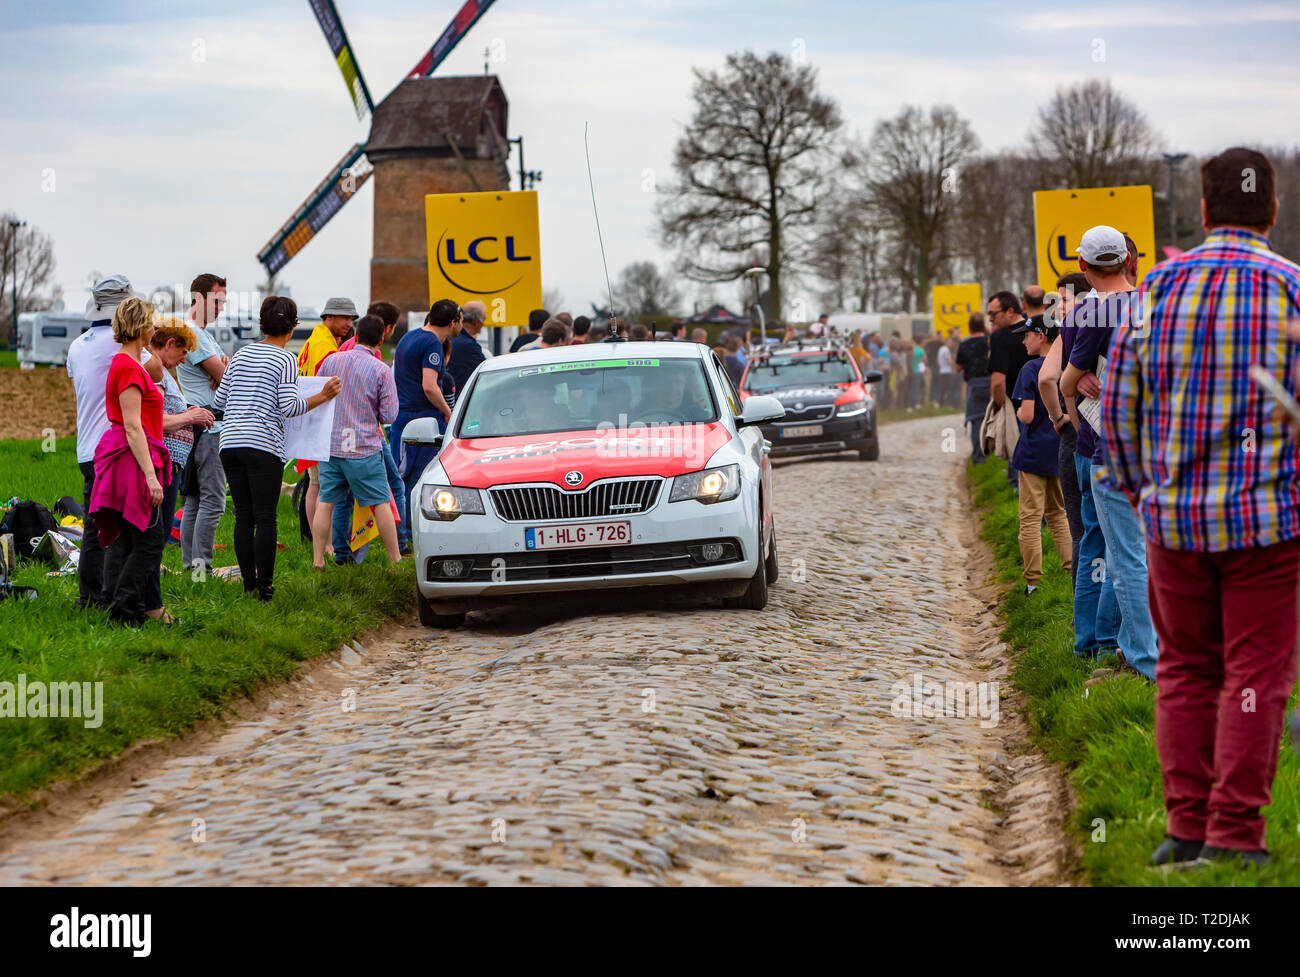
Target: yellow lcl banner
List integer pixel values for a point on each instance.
(486, 247)
(952, 305)
(1061, 217)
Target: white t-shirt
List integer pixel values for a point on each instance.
(945, 359)
(88, 358)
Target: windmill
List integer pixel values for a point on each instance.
(427, 136)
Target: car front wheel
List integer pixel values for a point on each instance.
(755, 596)
(431, 618)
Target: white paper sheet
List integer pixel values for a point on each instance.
(307, 436)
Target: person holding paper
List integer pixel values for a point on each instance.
(258, 393)
(356, 463)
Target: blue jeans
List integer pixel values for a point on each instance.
(341, 527)
(1126, 565)
(398, 488)
(1096, 613)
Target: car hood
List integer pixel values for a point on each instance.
(815, 395)
(667, 451)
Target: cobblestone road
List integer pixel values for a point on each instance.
(644, 742)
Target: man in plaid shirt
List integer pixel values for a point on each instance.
(1196, 445)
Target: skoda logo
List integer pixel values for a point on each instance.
(573, 478)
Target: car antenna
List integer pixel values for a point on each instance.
(599, 237)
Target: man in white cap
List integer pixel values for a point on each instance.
(88, 358)
(1085, 339)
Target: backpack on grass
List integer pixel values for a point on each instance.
(28, 521)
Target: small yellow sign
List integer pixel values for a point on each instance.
(1061, 217)
(952, 305)
(486, 247)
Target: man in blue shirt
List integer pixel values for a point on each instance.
(419, 368)
(1105, 260)
(1035, 460)
(466, 353)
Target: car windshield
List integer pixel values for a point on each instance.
(799, 371)
(585, 396)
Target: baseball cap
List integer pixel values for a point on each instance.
(1102, 245)
(106, 295)
(1039, 324)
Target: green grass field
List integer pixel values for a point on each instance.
(8, 358)
(160, 680)
(1106, 740)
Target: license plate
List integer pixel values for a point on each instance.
(587, 534)
(809, 431)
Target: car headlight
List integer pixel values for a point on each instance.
(447, 502)
(852, 409)
(707, 486)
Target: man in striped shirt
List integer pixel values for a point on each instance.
(1196, 445)
(356, 464)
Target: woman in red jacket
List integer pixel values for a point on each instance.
(131, 468)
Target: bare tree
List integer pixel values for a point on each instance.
(36, 287)
(1089, 135)
(913, 176)
(552, 300)
(642, 291)
(749, 168)
(993, 236)
(850, 252)
(1285, 234)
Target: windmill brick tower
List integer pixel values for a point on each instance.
(431, 135)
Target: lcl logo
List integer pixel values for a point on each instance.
(478, 252)
(952, 308)
(1066, 255)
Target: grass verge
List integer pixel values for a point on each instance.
(159, 681)
(1106, 739)
(892, 414)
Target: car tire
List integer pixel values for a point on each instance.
(771, 565)
(871, 452)
(431, 618)
(755, 596)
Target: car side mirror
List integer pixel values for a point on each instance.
(759, 410)
(874, 376)
(422, 430)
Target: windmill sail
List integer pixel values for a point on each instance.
(328, 17)
(465, 18)
(344, 180)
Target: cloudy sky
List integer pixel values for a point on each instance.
(138, 156)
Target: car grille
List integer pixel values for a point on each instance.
(816, 412)
(616, 497)
(592, 561)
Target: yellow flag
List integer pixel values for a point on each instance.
(364, 529)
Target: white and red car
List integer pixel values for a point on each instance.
(605, 465)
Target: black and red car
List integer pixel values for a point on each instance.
(829, 404)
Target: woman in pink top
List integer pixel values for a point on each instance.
(131, 467)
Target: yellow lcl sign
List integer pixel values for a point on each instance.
(485, 247)
(951, 307)
(1061, 217)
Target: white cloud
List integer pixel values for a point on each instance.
(1168, 16)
